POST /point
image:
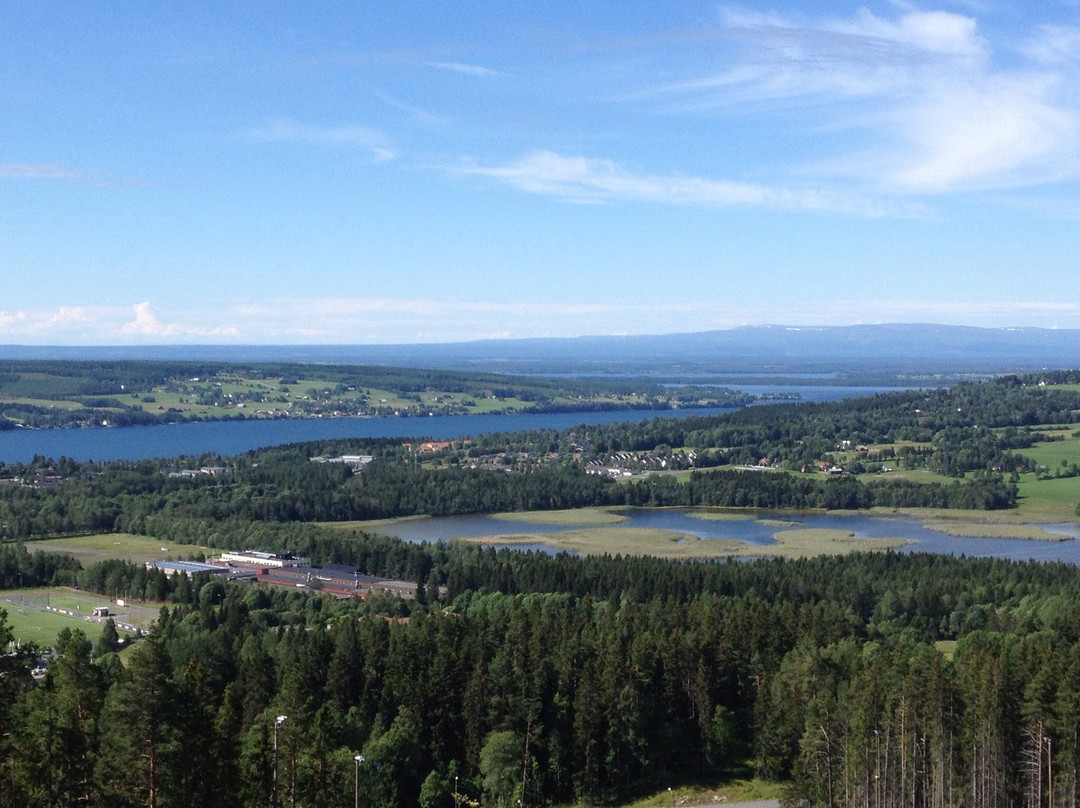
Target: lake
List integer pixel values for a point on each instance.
(235, 437)
(754, 531)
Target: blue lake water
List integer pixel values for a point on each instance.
(755, 531)
(235, 437)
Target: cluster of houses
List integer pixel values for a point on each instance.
(626, 464)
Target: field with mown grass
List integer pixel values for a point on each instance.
(31, 619)
(102, 546)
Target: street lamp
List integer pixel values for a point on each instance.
(356, 790)
(277, 724)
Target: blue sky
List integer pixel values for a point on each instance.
(424, 172)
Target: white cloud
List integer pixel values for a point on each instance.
(939, 32)
(390, 320)
(36, 171)
(146, 323)
(1000, 132)
(1055, 45)
(940, 105)
(582, 179)
(362, 137)
(464, 69)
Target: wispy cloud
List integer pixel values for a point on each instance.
(464, 69)
(415, 112)
(934, 96)
(1054, 45)
(582, 179)
(362, 137)
(36, 171)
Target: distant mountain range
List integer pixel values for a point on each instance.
(763, 351)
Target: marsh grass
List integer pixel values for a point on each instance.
(573, 516)
(672, 544)
(986, 530)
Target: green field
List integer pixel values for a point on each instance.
(29, 624)
(1048, 500)
(27, 608)
(137, 549)
(30, 620)
(1053, 500)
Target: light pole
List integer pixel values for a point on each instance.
(456, 797)
(277, 724)
(356, 790)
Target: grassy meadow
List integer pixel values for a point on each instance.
(126, 546)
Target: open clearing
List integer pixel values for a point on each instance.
(137, 549)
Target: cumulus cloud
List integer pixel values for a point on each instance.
(146, 323)
(402, 320)
(361, 137)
